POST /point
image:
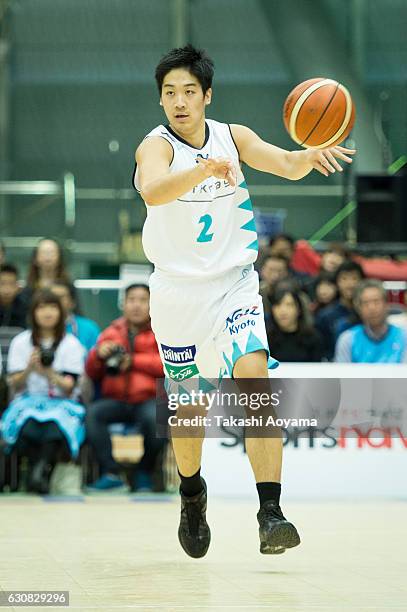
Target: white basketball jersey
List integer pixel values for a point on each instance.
(210, 229)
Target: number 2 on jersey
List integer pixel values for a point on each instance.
(204, 236)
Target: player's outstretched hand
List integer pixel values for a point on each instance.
(219, 167)
(324, 160)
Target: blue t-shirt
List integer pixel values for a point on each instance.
(356, 346)
(86, 330)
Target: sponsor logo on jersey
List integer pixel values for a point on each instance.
(235, 325)
(179, 354)
(179, 373)
(211, 187)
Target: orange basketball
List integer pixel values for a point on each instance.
(319, 113)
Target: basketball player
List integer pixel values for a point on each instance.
(200, 236)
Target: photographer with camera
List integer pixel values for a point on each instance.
(44, 363)
(126, 362)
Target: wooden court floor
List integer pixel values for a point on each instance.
(121, 553)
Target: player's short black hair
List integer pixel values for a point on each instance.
(196, 61)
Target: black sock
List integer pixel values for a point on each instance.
(191, 485)
(268, 491)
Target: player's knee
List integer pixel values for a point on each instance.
(191, 410)
(252, 365)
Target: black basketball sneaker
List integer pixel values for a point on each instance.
(194, 533)
(276, 533)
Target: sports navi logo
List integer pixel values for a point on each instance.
(179, 354)
(235, 327)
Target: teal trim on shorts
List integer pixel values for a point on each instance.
(253, 344)
(205, 386)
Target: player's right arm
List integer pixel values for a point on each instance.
(159, 186)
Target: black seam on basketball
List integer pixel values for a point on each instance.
(321, 117)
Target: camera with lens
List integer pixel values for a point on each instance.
(114, 361)
(47, 356)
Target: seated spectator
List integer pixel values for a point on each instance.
(44, 364)
(47, 266)
(273, 269)
(86, 330)
(126, 361)
(326, 292)
(291, 338)
(333, 257)
(283, 245)
(13, 318)
(333, 320)
(13, 309)
(374, 340)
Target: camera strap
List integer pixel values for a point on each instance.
(131, 338)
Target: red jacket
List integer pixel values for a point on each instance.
(305, 259)
(139, 382)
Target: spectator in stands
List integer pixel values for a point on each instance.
(47, 266)
(273, 269)
(283, 245)
(44, 419)
(86, 330)
(290, 335)
(326, 292)
(13, 316)
(333, 257)
(374, 340)
(333, 320)
(128, 388)
(13, 310)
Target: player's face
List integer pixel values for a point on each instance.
(183, 100)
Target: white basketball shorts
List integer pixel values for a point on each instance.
(202, 328)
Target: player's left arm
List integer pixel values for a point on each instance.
(293, 165)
